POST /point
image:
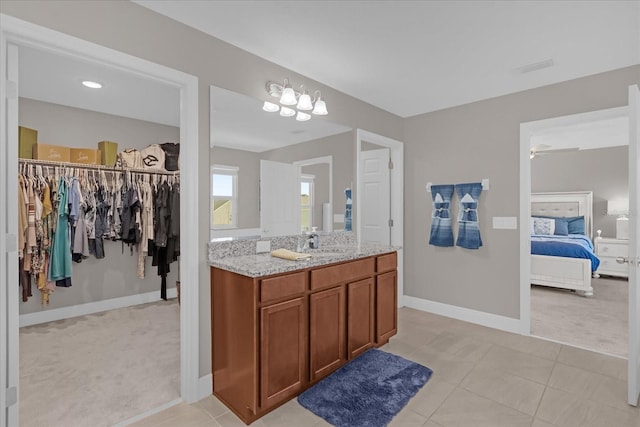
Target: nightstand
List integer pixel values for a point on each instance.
(608, 250)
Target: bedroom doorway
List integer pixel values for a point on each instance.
(529, 130)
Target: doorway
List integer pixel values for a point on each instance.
(16, 33)
(396, 194)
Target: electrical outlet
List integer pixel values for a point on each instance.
(263, 246)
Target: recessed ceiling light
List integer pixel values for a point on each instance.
(92, 85)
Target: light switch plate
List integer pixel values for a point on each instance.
(263, 246)
(505, 222)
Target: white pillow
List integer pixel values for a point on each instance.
(544, 226)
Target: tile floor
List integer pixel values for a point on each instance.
(482, 377)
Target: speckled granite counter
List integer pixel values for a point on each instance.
(258, 265)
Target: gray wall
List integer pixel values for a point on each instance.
(469, 143)
(114, 276)
(132, 29)
(605, 171)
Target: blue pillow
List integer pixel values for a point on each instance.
(563, 225)
(576, 225)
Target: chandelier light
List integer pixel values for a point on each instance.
(294, 103)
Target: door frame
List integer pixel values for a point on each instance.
(397, 194)
(16, 32)
(527, 130)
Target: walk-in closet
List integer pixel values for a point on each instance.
(98, 243)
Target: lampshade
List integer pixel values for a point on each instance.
(304, 103)
(618, 207)
(320, 108)
(270, 107)
(288, 95)
(287, 112)
(302, 117)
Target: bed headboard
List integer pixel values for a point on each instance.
(574, 203)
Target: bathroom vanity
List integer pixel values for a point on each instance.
(280, 326)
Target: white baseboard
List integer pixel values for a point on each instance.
(205, 386)
(51, 315)
(466, 314)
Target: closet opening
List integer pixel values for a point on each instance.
(104, 278)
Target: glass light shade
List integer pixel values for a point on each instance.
(320, 108)
(270, 107)
(287, 112)
(288, 96)
(302, 117)
(304, 103)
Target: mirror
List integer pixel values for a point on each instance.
(243, 136)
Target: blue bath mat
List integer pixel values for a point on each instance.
(368, 391)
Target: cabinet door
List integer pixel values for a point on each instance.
(360, 316)
(386, 307)
(282, 351)
(327, 330)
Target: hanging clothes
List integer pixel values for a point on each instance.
(60, 263)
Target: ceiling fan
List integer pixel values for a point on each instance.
(541, 149)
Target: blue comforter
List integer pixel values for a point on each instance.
(571, 246)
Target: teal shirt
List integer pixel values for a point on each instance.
(60, 263)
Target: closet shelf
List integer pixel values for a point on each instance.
(96, 167)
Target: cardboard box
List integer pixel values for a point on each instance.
(27, 138)
(56, 153)
(86, 156)
(109, 152)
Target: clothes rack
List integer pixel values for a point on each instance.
(69, 165)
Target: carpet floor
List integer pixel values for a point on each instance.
(599, 323)
(99, 369)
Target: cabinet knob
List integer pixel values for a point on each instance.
(621, 260)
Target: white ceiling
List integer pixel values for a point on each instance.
(604, 133)
(413, 57)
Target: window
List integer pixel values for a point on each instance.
(224, 196)
(306, 202)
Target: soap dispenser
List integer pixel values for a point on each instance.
(314, 242)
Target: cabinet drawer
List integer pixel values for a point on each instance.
(282, 286)
(323, 277)
(386, 262)
(610, 264)
(613, 249)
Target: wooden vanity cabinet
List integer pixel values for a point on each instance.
(273, 337)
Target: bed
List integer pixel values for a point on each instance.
(571, 268)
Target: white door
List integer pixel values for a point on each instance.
(375, 193)
(279, 199)
(634, 246)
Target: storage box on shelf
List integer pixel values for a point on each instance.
(85, 156)
(27, 138)
(55, 153)
(108, 152)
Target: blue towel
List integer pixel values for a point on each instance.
(468, 230)
(441, 231)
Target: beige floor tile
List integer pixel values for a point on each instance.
(574, 380)
(212, 406)
(505, 388)
(231, 420)
(407, 418)
(539, 423)
(594, 362)
(431, 423)
(416, 334)
(463, 408)
(183, 415)
(524, 365)
(445, 367)
(464, 347)
(430, 397)
(399, 347)
(290, 414)
(613, 392)
(527, 344)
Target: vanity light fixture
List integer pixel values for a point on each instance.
(297, 100)
(91, 84)
(270, 107)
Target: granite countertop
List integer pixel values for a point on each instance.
(264, 264)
